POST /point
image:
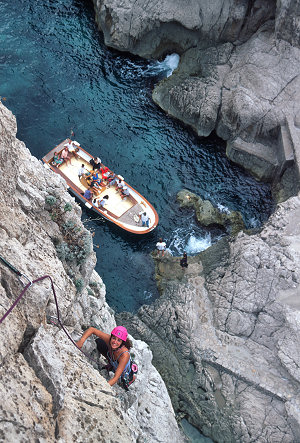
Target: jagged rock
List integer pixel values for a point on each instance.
(208, 215)
(154, 28)
(241, 92)
(149, 395)
(238, 74)
(227, 333)
(54, 393)
(286, 24)
(193, 94)
(25, 404)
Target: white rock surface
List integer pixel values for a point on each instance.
(227, 331)
(238, 73)
(49, 391)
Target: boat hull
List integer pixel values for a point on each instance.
(123, 212)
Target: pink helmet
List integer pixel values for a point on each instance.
(120, 332)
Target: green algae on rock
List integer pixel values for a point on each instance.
(208, 215)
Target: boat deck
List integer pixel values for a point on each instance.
(123, 209)
(124, 212)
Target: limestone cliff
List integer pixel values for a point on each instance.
(49, 390)
(226, 332)
(238, 75)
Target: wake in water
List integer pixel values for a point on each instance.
(164, 68)
(135, 69)
(191, 242)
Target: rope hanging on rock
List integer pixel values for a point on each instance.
(23, 292)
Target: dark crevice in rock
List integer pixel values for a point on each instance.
(41, 374)
(57, 430)
(29, 333)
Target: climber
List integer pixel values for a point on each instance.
(115, 348)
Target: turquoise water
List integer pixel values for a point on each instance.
(57, 75)
(192, 434)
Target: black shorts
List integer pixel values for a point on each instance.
(102, 346)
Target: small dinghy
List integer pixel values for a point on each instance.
(122, 205)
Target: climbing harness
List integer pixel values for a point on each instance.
(125, 381)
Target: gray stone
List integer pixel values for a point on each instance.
(208, 215)
(55, 393)
(227, 333)
(238, 74)
(154, 28)
(287, 23)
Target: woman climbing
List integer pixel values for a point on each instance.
(115, 348)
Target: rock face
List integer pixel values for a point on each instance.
(238, 75)
(150, 29)
(49, 390)
(208, 215)
(287, 21)
(225, 333)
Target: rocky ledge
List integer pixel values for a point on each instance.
(238, 74)
(49, 390)
(225, 333)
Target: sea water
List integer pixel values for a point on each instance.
(57, 75)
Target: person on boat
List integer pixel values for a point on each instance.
(65, 155)
(111, 179)
(81, 171)
(74, 150)
(101, 202)
(96, 180)
(88, 193)
(57, 160)
(119, 185)
(105, 172)
(115, 348)
(95, 162)
(183, 261)
(145, 219)
(161, 247)
(124, 192)
(73, 147)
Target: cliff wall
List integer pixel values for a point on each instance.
(49, 390)
(226, 331)
(238, 74)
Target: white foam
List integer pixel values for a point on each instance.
(167, 66)
(254, 222)
(171, 62)
(196, 245)
(147, 295)
(190, 242)
(223, 208)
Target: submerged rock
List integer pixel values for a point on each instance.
(208, 215)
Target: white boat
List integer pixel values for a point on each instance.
(124, 212)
